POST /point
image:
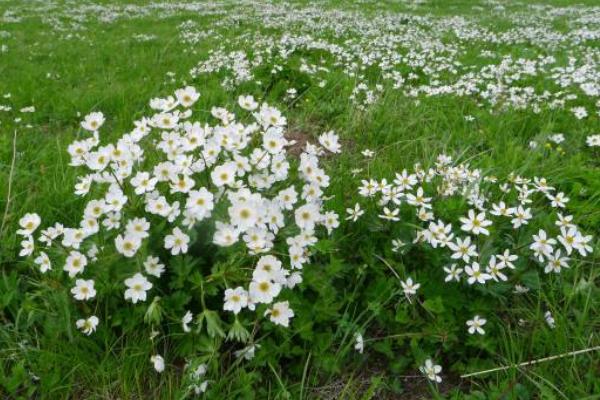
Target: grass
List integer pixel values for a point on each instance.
(43, 355)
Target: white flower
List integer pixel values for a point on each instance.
(367, 153)
(453, 273)
(93, 121)
(247, 352)
(559, 200)
(501, 209)
(495, 270)
(138, 286)
(306, 216)
(143, 182)
(463, 249)
(475, 325)
(389, 214)
(555, 262)
(593, 140)
(280, 313)
(185, 321)
(542, 246)
(177, 242)
(549, 319)
(521, 216)
(431, 371)
(506, 259)
(29, 223)
(44, 262)
(84, 289)
(405, 181)
(354, 213)
(235, 300)
(187, 96)
(262, 290)
(75, 263)
(224, 174)
(418, 199)
(409, 287)
(397, 244)
(359, 344)
(27, 247)
(475, 223)
(581, 244)
(158, 362)
(200, 203)
(88, 325)
(579, 112)
(330, 141)
(128, 245)
(247, 103)
(153, 266)
(475, 274)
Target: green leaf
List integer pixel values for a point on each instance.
(435, 305)
(238, 332)
(213, 323)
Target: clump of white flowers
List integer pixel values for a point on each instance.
(157, 183)
(488, 231)
(474, 243)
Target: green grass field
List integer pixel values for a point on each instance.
(509, 90)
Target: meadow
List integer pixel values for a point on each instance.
(300, 200)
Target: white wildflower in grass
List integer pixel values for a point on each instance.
(137, 286)
(397, 244)
(579, 112)
(475, 325)
(593, 140)
(84, 289)
(177, 242)
(354, 213)
(27, 247)
(153, 266)
(542, 246)
(75, 263)
(263, 290)
(247, 103)
(431, 371)
(158, 363)
(247, 352)
(330, 141)
(452, 273)
(463, 249)
(359, 344)
(186, 320)
(93, 121)
(390, 215)
(187, 96)
(29, 223)
(235, 300)
(409, 287)
(555, 262)
(280, 313)
(475, 223)
(368, 153)
(88, 325)
(43, 261)
(476, 275)
(549, 320)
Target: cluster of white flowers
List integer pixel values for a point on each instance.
(496, 209)
(175, 172)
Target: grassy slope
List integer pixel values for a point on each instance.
(108, 72)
